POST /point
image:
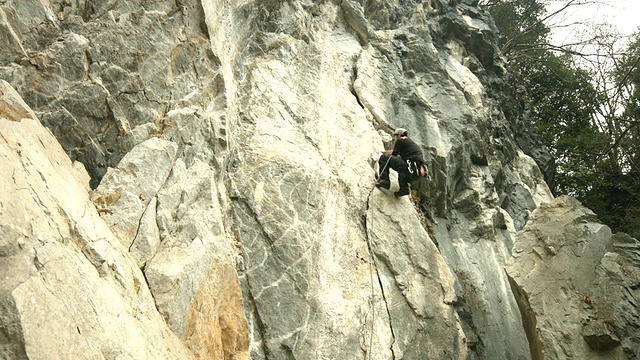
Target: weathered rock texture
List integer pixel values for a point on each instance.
(229, 147)
(69, 288)
(578, 286)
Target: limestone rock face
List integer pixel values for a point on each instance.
(169, 218)
(104, 76)
(417, 286)
(231, 211)
(577, 285)
(68, 289)
(132, 185)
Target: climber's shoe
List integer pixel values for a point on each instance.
(383, 184)
(402, 192)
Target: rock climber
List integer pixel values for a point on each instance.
(405, 158)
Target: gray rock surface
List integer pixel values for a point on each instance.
(230, 147)
(417, 285)
(68, 288)
(104, 76)
(577, 290)
(169, 218)
(132, 185)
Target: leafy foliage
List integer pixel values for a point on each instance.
(520, 26)
(597, 152)
(622, 157)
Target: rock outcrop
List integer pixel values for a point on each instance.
(69, 289)
(576, 284)
(228, 211)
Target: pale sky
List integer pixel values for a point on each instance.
(624, 14)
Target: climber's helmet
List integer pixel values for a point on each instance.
(400, 132)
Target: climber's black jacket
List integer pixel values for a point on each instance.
(406, 160)
(408, 150)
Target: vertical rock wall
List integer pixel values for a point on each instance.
(230, 147)
(69, 289)
(577, 285)
(313, 82)
(135, 84)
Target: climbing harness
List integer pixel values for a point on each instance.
(413, 167)
(416, 168)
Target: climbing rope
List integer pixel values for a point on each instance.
(371, 263)
(373, 260)
(373, 304)
(383, 169)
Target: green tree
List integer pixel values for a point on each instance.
(589, 119)
(620, 159)
(562, 99)
(562, 106)
(523, 33)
